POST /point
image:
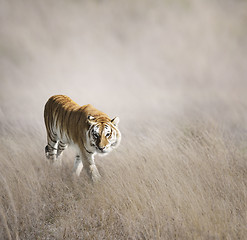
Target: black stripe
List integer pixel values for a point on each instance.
(51, 130)
(60, 147)
(85, 147)
(79, 118)
(51, 146)
(87, 150)
(56, 114)
(53, 140)
(62, 144)
(68, 121)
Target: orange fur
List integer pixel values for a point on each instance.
(70, 117)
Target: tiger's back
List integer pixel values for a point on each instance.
(63, 117)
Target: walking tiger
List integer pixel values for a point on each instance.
(88, 129)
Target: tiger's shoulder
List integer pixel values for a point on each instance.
(90, 110)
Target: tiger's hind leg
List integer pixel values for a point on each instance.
(51, 149)
(61, 147)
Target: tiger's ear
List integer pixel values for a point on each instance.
(90, 119)
(115, 121)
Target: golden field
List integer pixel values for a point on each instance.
(173, 71)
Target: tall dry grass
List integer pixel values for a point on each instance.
(173, 71)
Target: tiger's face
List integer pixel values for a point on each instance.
(104, 136)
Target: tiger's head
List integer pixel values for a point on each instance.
(103, 134)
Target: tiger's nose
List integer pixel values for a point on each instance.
(101, 148)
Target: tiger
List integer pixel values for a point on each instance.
(89, 130)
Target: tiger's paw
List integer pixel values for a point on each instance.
(94, 173)
(47, 152)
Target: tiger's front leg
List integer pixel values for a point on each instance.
(94, 173)
(90, 167)
(78, 166)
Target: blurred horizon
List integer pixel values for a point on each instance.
(129, 56)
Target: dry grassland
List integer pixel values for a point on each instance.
(173, 71)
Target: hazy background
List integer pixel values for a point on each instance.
(175, 72)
